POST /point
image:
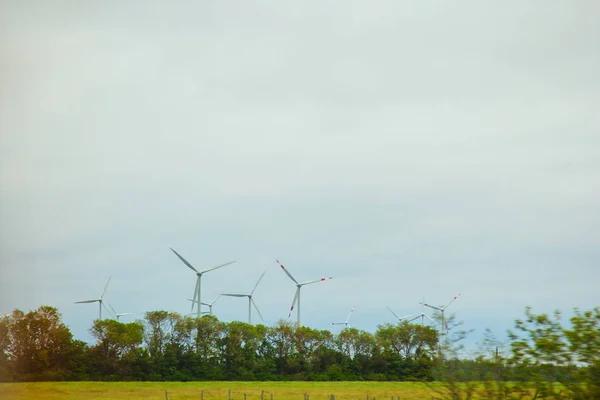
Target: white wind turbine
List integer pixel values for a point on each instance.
(116, 314)
(346, 321)
(396, 315)
(442, 310)
(422, 315)
(198, 290)
(250, 299)
(99, 300)
(298, 286)
(210, 305)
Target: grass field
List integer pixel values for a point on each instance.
(215, 390)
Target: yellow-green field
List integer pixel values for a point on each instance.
(216, 390)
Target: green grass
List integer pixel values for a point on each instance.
(214, 390)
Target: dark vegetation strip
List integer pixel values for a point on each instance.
(542, 357)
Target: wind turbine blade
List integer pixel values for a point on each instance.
(429, 318)
(316, 281)
(193, 304)
(104, 305)
(213, 302)
(259, 279)
(452, 301)
(86, 301)
(294, 302)
(196, 289)
(349, 315)
(395, 315)
(125, 313)
(218, 266)
(412, 319)
(234, 295)
(287, 272)
(184, 261)
(113, 310)
(257, 310)
(105, 287)
(434, 307)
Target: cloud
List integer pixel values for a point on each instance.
(408, 150)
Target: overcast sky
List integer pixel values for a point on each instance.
(408, 149)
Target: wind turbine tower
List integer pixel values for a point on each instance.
(250, 299)
(298, 287)
(99, 300)
(198, 290)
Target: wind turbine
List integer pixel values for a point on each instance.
(442, 309)
(299, 286)
(422, 315)
(116, 314)
(198, 289)
(250, 299)
(396, 315)
(210, 305)
(99, 300)
(346, 321)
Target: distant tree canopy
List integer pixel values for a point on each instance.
(168, 346)
(542, 358)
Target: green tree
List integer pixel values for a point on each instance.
(115, 350)
(409, 341)
(155, 332)
(170, 341)
(39, 344)
(555, 362)
(408, 349)
(207, 332)
(358, 350)
(281, 340)
(239, 347)
(584, 344)
(5, 370)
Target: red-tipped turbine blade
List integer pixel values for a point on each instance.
(287, 272)
(315, 281)
(452, 301)
(294, 302)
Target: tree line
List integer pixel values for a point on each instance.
(542, 357)
(165, 346)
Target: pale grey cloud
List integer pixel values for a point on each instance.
(408, 149)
